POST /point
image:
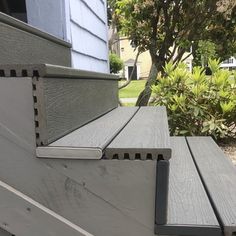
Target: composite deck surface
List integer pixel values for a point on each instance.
(90, 140)
(219, 177)
(65, 98)
(49, 194)
(119, 134)
(146, 136)
(189, 210)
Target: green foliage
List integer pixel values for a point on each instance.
(167, 29)
(116, 64)
(205, 50)
(198, 104)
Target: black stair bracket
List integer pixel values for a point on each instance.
(162, 188)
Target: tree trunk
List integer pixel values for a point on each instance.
(145, 95)
(132, 72)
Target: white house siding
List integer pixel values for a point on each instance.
(89, 34)
(81, 22)
(229, 64)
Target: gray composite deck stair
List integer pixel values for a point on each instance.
(219, 178)
(146, 136)
(121, 127)
(21, 210)
(89, 141)
(22, 43)
(189, 210)
(64, 98)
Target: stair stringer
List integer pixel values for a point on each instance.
(38, 180)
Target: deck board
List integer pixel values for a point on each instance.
(189, 210)
(219, 177)
(145, 137)
(89, 141)
(23, 216)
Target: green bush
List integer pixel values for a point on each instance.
(116, 64)
(198, 104)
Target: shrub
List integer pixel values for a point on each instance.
(198, 104)
(116, 64)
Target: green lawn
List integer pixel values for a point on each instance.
(133, 89)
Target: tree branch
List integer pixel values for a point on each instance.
(132, 73)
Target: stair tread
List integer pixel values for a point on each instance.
(145, 136)
(90, 140)
(124, 130)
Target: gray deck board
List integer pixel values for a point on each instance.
(19, 46)
(145, 136)
(23, 216)
(90, 139)
(54, 71)
(4, 232)
(55, 190)
(219, 177)
(65, 104)
(189, 211)
(32, 30)
(127, 187)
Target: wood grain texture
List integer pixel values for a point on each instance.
(19, 46)
(15, 98)
(126, 186)
(96, 135)
(89, 141)
(23, 216)
(219, 177)
(32, 30)
(145, 136)
(69, 198)
(66, 104)
(52, 71)
(77, 200)
(189, 209)
(4, 233)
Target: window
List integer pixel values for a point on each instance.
(229, 61)
(14, 8)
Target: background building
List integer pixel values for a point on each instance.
(127, 54)
(229, 64)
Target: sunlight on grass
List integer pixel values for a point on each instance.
(133, 89)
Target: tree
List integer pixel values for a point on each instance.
(205, 50)
(167, 28)
(116, 64)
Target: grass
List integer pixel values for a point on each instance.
(133, 89)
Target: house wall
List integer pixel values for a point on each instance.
(229, 64)
(83, 23)
(127, 52)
